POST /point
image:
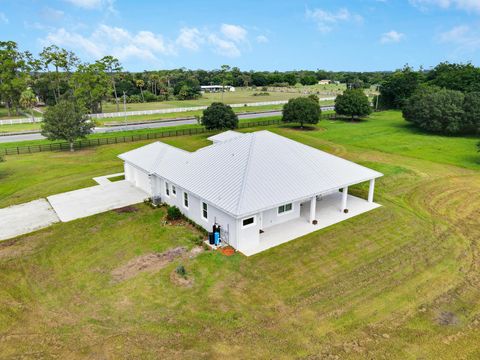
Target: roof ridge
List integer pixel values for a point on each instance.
(247, 168)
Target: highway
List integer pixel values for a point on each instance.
(152, 125)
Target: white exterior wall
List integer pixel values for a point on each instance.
(249, 236)
(194, 211)
(138, 177)
(271, 217)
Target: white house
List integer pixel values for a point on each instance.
(217, 88)
(261, 188)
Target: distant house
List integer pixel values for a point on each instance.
(216, 88)
(324, 82)
(262, 189)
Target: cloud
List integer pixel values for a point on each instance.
(391, 37)
(52, 14)
(466, 39)
(223, 47)
(233, 32)
(107, 40)
(190, 38)
(467, 5)
(93, 4)
(326, 20)
(3, 18)
(262, 39)
(228, 41)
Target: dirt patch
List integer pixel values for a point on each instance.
(180, 280)
(147, 263)
(447, 318)
(126, 209)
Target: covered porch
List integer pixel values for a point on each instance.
(325, 211)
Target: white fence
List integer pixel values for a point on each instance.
(177, 110)
(158, 111)
(21, 121)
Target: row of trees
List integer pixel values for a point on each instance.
(444, 100)
(56, 73)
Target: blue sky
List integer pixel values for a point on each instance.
(359, 35)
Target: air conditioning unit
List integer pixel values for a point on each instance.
(156, 200)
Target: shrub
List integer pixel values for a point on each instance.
(2, 159)
(437, 110)
(261, 94)
(149, 96)
(314, 98)
(174, 213)
(134, 99)
(219, 116)
(302, 110)
(180, 270)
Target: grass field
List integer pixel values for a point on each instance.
(240, 96)
(400, 282)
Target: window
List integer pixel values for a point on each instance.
(167, 189)
(185, 200)
(248, 221)
(174, 190)
(204, 211)
(285, 208)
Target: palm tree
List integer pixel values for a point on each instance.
(28, 100)
(140, 83)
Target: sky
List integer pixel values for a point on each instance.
(355, 35)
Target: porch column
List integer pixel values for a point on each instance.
(313, 208)
(371, 190)
(344, 198)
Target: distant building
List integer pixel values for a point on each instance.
(216, 88)
(324, 82)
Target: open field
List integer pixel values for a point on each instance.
(239, 96)
(400, 282)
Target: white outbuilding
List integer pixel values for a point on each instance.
(261, 188)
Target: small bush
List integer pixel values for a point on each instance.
(174, 213)
(261, 94)
(180, 270)
(2, 159)
(134, 99)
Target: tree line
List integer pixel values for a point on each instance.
(444, 100)
(56, 73)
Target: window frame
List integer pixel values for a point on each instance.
(174, 190)
(284, 211)
(167, 189)
(186, 200)
(204, 209)
(253, 223)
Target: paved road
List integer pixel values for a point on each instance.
(97, 130)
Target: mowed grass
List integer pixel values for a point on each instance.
(399, 282)
(240, 96)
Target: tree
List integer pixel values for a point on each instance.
(61, 59)
(91, 85)
(219, 116)
(436, 110)
(113, 67)
(140, 84)
(471, 107)
(398, 87)
(353, 103)
(302, 110)
(67, 121)
(13, 74)
(28, 100)
(461, 77)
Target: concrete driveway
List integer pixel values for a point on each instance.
(24, 218)
(96, 199)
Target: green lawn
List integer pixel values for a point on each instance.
(400, 282)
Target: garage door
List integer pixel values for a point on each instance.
(138, 177)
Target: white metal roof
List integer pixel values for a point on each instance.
(252, 172)
(224, 136)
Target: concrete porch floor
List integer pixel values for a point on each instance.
(328, 212)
